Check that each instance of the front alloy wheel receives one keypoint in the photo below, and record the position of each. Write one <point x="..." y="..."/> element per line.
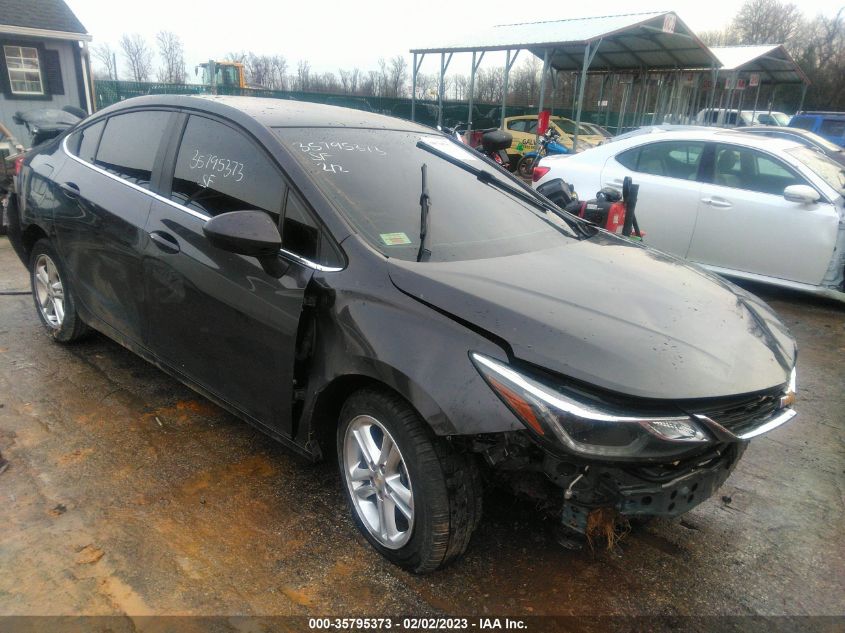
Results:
<point x="414" y="496"/>
<point x="378" y="482"/>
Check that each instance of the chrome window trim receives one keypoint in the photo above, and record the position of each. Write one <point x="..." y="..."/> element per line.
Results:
<point x="293" y="256"/>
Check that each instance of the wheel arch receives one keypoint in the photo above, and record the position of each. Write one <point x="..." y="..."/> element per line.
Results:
<point x="29" y="237"/>
<point x="323" y="414"/>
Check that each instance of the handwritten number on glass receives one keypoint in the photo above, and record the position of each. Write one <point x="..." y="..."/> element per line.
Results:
<point x="212" y="163"/>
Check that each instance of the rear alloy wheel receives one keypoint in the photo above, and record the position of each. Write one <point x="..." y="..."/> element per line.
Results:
<point x="52" y="295"/>
<point x="413" y="496"/>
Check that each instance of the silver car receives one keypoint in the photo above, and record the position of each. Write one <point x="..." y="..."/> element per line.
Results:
<point x="762" y="209"/>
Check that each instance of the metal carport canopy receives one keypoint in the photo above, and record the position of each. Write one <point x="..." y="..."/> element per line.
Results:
<point x="654" y="41"/>
<point x="636" y="41"/>
<point x="773" y="63"/>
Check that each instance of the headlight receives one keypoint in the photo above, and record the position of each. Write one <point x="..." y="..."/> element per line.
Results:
<point x="588" y="428"/>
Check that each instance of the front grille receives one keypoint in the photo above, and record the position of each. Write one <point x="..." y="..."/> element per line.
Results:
<point x="742" y="416"/>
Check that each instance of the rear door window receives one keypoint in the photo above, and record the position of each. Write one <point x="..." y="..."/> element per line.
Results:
<point x="675" y="159"/>
<point x="219" y="169"/>
<point x="130" y="144"/>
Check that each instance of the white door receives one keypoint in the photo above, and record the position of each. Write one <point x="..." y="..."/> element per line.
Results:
<point x="667" y="203"/>
<point x="745" y="223"/>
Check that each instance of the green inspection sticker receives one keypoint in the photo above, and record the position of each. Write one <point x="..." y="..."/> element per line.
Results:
<point x="394" y="239"/>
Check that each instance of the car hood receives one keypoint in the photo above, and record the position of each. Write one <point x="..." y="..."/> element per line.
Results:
<point x="615" y="315"/>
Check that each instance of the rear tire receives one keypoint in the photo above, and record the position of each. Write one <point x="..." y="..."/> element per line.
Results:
<point x="419" y="504"/>
<point x="525" y="167"/>
<point x="53" y="295"/>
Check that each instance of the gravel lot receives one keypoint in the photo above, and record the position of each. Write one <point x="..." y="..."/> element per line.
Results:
<point x="129" y="494"/>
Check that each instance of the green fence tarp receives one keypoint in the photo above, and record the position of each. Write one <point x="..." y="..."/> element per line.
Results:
<point x="485" y="115"/>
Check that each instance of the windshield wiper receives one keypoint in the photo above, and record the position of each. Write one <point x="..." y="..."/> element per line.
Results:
<point x="490" y="179"/>
<point x="425" y="205"/>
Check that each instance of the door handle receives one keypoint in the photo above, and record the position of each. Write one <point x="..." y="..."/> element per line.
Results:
<point x="717" y="202"/>
<point x="70" y="189"/>
<point x="165" y="242"/>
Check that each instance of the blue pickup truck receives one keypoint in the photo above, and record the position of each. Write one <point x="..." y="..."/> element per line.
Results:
<point x="830" y="125"/>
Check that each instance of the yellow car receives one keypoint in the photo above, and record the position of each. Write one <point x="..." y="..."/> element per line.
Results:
<point x="524" y="131"/>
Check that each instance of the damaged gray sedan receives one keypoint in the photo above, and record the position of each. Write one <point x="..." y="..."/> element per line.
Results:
<point x="365" y="289"/>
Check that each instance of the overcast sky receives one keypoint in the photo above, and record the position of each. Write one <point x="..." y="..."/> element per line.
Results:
<point x="334" y="34"/>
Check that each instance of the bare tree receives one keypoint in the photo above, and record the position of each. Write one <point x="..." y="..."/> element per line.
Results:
<point x="427" y="86"/>
<point x="767" y="22"/>
<point x="525" y="80"/>
<point x="303" y="75"/>
<point x="278" y="72"/>
<point x="240" y="57"/>
<point x="720" y="37"/>
<point x="397" y="77"/>
<point x="172" y="54"/>
<point x="138" y="56"/>
<point x="349" y="80"/>
<point x="490" y="82"/>
<point x="104" y="54"/>
<point x="258" y="69"/>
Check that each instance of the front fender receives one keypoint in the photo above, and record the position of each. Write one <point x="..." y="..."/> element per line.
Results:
<point x="386" y="336"/>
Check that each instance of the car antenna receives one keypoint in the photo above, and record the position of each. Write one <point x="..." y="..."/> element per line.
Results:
<point x="425" y="204"/>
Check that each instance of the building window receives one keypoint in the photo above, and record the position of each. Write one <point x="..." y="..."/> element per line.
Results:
<point x="24" y="70"/>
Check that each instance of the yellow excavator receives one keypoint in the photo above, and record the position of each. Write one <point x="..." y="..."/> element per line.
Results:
<point x="224" y="73"/>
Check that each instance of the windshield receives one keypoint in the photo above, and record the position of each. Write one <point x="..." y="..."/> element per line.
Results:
<point x="827" y="169"/>
<point x="568" y="126"/>
<point x="374" y="178"/>
<point x="781" y="118"/>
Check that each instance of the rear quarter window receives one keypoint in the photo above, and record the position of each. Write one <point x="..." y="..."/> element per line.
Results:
<point x="84" y="142"/>
<point x="130" y="144"/>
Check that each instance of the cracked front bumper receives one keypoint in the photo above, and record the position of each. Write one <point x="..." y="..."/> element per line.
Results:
<point x="657" y="490"/>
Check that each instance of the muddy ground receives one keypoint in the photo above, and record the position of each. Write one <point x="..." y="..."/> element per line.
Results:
<point x="129" y="494"/>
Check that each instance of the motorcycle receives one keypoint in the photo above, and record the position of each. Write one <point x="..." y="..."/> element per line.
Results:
<point x="547" y="145"/>
<point x="492" y="143"/>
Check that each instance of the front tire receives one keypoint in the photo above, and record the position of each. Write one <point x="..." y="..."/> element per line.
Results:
<point x="54" y="297"/>
<point x="413" y="496"/>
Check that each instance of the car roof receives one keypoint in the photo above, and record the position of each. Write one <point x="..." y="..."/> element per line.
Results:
<point x="774" y="128"/>
<point x="709" y="134"/>
<point x="275" y="112"/>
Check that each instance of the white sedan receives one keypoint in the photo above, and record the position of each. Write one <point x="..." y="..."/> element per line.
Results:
<point x="763" y="209"/>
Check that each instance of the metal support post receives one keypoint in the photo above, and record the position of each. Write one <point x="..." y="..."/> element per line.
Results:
<point x="542" y="92"/>
<point x="508" y="65"/>
<point x="444" y="65"/>
<point x="414" y="72"/>
<point x="473" y="71"/>
<point x="589" y="54"/>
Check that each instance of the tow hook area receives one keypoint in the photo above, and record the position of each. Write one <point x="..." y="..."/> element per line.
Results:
<point x="626" y="491"/>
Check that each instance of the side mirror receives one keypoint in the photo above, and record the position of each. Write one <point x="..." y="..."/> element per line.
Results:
<point x="250" y="233"/>
<point x="803" y="194"/>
